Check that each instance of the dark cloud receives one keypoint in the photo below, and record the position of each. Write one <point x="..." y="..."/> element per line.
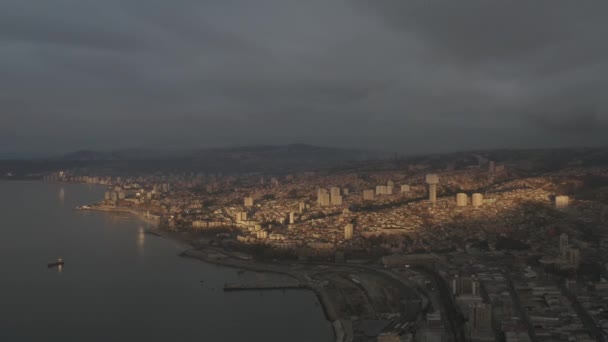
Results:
<point x="579" y="121"/>
<point x="400" y="75"/>
<point x="479" y="31"/>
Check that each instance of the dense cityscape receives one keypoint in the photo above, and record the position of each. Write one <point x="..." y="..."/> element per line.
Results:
<point x="458" y="247"/>
<point x="304" y="171"/>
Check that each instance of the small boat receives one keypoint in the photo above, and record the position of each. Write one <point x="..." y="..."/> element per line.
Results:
<point x="59" y="262"/>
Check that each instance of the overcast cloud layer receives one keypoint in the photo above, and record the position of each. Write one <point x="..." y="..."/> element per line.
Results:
<point x="413" y="76"/>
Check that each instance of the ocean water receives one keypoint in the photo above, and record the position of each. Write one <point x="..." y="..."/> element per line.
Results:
<point x="119" y="284"/>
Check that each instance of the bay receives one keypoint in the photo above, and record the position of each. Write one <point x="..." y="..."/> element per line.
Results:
<point x="120" y="284"/>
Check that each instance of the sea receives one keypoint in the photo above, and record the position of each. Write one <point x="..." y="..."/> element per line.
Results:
<point x="120" y="284"/>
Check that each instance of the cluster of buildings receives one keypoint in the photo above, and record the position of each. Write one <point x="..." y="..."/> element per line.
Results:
<point x="500" y="241"/>
<point x="550" y="313"/>
<point x="593" y="300"/>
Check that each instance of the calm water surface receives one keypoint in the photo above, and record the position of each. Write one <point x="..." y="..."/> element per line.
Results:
<point x="119" y="284"/>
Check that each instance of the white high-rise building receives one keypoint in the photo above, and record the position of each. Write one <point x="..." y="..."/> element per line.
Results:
<point x="334" y="191"/>
<point x="323" y="198"/>
<point x="368" y="195"/>
<point x="561" y="202"/>
<point x="477" y="199"/>
<point x="336" y="199"/>
<point x="432" y="180"/>
<point x="248" y="201"/>
<point x="462" y="199"/>
<point x="348" y="231"/>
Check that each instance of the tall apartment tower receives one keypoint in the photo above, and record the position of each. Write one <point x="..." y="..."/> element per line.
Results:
<point x="320" y="193"/>
<point x="432" y="180"/>
<point x="336" y="199"/>
<point x="477" y="199"/>
<point x="324" y="200"/>
<point x="368" y="195"/>
<point x="561" y="202"/>
<point x="323" y="197"/>
<point x="248" y="201"/>
<point x="334" y="191"/>
<point x="462" y="199"/>
<point x="390" y="185"/>
<point x="348" y="231"/>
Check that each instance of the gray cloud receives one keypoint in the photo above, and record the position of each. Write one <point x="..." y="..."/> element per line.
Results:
<point x="576" y="121"/>
<point x="400" y="75"/>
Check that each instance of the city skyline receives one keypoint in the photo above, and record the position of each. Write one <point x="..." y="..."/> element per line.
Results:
<point x="304" y="170"/>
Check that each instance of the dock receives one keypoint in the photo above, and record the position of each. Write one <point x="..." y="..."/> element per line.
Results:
<point x="253" y="287"/>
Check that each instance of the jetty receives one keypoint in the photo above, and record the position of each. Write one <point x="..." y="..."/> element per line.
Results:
<point x="259" y="286"/>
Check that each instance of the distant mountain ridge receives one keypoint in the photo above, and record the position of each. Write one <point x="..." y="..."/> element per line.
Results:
<point x="290" y="151"/>
<point x="283" y="159"/>
<point x="21" y="156"/>
<point x="258" y="158"/>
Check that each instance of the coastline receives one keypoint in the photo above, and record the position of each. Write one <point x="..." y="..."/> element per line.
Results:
<point x="141" y="216"/>
<point x="331" y="316"/>
<point x="328" y="308"/>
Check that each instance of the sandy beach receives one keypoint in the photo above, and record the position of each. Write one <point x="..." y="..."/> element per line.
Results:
<point x="138" y="214"/>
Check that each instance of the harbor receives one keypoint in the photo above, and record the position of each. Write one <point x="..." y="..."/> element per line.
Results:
<point x="116" y="273"/>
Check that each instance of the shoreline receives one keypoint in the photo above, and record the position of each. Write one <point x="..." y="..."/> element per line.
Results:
<point x="322" y="297"/>
<point x="139" y="215"/>
<point x="231" y="262"/>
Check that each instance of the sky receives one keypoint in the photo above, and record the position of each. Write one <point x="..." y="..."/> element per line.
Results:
<point x="409" y="76"/>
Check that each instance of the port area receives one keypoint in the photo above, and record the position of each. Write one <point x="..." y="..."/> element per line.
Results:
<point x="359" y="300"/>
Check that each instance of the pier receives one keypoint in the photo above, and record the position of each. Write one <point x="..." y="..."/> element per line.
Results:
<point x="258" y="286"/>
